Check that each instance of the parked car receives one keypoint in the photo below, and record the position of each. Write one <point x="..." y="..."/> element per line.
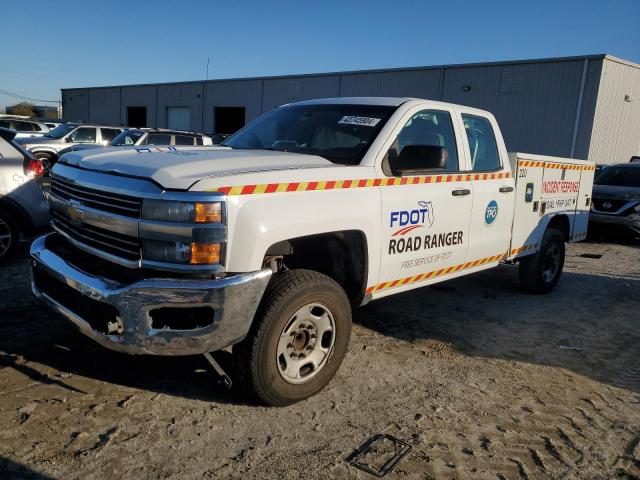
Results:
<point x="599" y="169"/>
<point x="53" y="125"/>
<point x="49" y="145"/>
<point x="616" y="198"/>
<point x="265" y="243"/>
<point x="635" y="159"/>
<point x="134" y="137"/>
<point x="24" y="128"/>
<point x="23" y="208"/>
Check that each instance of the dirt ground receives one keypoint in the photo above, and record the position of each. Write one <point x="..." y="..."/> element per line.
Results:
<point x="483" y="380"/>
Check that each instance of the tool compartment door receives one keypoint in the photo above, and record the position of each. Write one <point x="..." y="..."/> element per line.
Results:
<point x="527" y="230"/>
<point x="560" y="188"/>
<point x="581" y="218"/>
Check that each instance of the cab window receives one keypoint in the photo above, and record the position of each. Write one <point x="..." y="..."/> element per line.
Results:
<point x="482" y="144"/>
<point x="109" y="134"/>
<point x="428" y="133"/>
<point x="84" y="135"/>
<point x="184" y="140"/>
<point x="158" y="139"/>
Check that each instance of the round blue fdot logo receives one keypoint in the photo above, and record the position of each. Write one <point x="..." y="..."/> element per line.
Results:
<point x="491" y="212"/>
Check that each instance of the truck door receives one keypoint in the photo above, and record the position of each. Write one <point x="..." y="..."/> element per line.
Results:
<point x="493" y="189"/>
<point x="425" y="214"/>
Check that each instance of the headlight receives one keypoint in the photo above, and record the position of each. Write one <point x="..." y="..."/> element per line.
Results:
<point x="183" y="253"/>
<point x="182" y="212"/>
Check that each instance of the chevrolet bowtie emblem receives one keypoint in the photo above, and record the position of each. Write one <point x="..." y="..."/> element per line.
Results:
<point x="75" y="213"/>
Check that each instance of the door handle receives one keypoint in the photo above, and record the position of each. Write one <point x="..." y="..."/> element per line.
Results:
<point x="505" y="189"/>
<point x="460" y="192"/>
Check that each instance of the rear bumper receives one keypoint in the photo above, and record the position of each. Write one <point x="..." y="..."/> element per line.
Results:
<point x="631" y="221"/>
<point x="91" y="302"/>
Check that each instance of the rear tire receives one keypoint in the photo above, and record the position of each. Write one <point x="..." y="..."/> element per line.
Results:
<point x="8" y="236"/>
<point x="540" y="273"/>
<point x="298" y="338"/>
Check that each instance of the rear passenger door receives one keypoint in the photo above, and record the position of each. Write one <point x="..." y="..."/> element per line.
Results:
<point x="425" y="212"/>
<point x="493" y="189"/>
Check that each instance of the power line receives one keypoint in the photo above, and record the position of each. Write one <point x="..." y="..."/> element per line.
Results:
<point x="22" y="97"/>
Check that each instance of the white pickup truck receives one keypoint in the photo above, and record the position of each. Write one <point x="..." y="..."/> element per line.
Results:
<point x="266" y="243"/>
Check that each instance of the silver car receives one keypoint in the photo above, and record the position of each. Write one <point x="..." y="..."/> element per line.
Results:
<point x="134" y="137"/>
<point x="66" y="135"/>
<point x="23" y="208"/>
<point x="24" y="127"/>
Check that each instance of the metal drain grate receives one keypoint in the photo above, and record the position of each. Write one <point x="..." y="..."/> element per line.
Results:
<point x="379" y="455"/>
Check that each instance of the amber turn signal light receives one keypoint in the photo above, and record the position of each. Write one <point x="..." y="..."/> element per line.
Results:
<point x="205" y="253"/>
<point x="208" y="212"/>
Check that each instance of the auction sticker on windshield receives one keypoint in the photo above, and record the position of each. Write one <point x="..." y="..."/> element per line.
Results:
<point x="363" y="121"/>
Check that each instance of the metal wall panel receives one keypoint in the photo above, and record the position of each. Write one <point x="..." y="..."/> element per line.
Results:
<point x="233" y="93"/>
<point x="409" y="83"/>
<point x="534" y="103"/>
<point x="186" y="95"/>
<point x="75" y="104"/>
<point x="278" y="91"/>
<point x="616" y="127"/>
<point x="139" y="96"/>
<point x="104" y="106"/>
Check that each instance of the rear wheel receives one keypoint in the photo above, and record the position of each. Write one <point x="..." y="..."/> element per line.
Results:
<point x="540" y="273"/>
<point x="298" y="339"/>
<point x="8" y="236"/>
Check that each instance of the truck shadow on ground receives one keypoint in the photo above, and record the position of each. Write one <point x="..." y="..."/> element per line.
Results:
<point x="11" y="470"/>
<point x="588" y="324"/>
<point x="581" y="326"/>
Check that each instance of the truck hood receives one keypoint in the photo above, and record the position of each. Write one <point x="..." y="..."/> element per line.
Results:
<point x="179" y="168"/>
<point x="611" y="192"/>
<point x="41" y="140"/>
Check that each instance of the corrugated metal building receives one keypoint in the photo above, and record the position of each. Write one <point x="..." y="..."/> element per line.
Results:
<point x="585" y="107"/>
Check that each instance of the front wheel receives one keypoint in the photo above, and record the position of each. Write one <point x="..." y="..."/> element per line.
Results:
<point x="8" y="236"/>
<point x="540" y="273"/>
<point x="298" y="339"/>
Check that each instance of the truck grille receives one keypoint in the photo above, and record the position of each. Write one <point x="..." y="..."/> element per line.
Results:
<point x="106" y="201"/>
<point x="122" y="246"/>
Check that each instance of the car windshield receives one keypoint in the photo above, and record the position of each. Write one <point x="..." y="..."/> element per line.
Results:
<point x="340" y="133"/>
<point x="60" y="131"/>
<point x="619" y="177"/>
<point x="128" y="137"/>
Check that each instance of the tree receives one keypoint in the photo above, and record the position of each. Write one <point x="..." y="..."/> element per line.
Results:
<point x="22" y="108"/>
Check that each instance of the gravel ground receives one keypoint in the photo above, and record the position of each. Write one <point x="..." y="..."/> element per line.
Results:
<point x="483" y="380"/>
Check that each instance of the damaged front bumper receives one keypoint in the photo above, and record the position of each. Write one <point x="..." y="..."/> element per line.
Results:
<point x="144" y="317"/>
<point x="631" y="221"/>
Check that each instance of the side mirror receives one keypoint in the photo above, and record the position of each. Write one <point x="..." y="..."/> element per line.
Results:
<point x="68" y="139"/>
<point x="415" y="159"/>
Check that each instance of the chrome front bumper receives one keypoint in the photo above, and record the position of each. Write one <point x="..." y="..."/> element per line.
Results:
<point x="233" y="300"/>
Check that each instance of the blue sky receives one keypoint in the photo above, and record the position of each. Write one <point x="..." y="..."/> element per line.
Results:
<point x="48" y="45"/>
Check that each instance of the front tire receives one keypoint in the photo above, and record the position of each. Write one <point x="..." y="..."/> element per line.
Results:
<point x="8" y="236"/>
<point x="540" y="273"/>
<point x="298" y="338"/>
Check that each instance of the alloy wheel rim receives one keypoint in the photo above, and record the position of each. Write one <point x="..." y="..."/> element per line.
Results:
<point x="306" y="343"/>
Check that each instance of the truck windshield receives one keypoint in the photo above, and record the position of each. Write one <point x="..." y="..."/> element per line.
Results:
<point x="340" y="133"/>
<point x="620" y="177"/>
<point x="128" y="137"/>
<point x="61" y="130"/>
